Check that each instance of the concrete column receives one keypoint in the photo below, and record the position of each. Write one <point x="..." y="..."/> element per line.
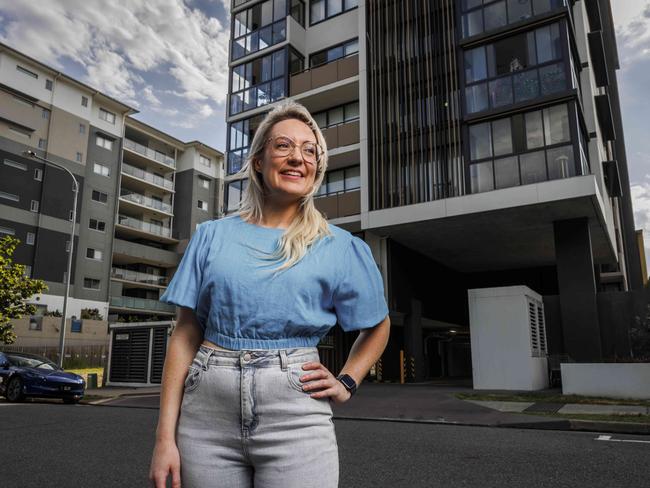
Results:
<point x="577" y="287"/>
<point x="413" y="347"/>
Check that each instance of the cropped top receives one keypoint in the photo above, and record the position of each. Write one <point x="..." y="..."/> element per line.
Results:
<point x="241" y="304"/>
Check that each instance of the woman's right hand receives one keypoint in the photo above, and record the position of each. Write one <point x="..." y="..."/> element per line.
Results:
<point x="165" y="459"/>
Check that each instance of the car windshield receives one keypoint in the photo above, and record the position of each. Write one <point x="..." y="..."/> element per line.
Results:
<point x="28" y="362"/>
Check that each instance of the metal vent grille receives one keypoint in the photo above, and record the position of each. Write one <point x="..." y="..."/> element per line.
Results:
<point x="129" y="356"/>
<point x="537" y="327"/>
<point x="158" y="351"/>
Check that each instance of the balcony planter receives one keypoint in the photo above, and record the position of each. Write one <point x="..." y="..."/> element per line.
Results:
<point x="617" y="380"/>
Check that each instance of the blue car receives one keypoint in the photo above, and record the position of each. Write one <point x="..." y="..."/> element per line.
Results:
<point x="28" y="375"/>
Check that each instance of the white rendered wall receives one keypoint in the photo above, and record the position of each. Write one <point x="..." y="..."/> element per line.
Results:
<point x="55" y="302"/>
<point x="502" y="356"/>
<point x="616" y="380"/>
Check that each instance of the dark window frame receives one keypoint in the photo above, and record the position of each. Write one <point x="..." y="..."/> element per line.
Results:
<point x="328" y="17"/>
<point x="332" y="47"/>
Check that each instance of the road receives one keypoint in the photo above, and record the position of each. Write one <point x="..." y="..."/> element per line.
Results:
<point x="51" y="444"/>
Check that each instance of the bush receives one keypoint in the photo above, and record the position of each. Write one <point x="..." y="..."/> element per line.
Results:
<point x="91" y="314"/>
<point x="639" y="334"/>
<point x="53" y="313"/>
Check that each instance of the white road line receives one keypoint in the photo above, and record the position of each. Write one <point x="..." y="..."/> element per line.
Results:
<point x="608" y="438"/>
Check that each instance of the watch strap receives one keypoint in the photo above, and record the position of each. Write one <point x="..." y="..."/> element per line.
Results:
<point x="348" y="382"/>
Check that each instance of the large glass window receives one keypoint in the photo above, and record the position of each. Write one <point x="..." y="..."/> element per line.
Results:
<point x="333" y="53"/>
<point x="234" y="193"/>
<point x="258" y="83"/>
<point x="516" y="69"/>
<point x="241" y="136"/>
<point x="485" y="15"/>
<point x="340" y="181"/>
<point x="337" y="115"/>
<point x="321" y="10"/>
<point x="259" y="27"/>
<point x="523" y="149"/>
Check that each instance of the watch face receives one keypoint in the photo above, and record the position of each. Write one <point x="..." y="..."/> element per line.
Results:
<point x="348" y="382"/>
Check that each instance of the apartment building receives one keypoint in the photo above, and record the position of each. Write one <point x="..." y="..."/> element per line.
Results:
<point x="473" y="144"/>
<point x="142" y="193"/>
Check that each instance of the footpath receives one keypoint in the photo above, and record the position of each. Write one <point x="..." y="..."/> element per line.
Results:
<point x="437" y="403"/>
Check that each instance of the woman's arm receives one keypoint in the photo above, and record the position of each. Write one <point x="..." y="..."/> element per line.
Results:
<point x="183" y="344"/>
<point x="365" y="352"/>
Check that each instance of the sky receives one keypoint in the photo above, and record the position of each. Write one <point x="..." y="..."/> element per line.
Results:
<point x="169" y="60"/>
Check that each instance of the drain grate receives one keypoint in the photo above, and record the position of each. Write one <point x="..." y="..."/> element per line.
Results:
<point x="543" y="407"/>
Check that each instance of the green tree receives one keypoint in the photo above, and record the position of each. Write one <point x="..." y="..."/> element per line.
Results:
<point x="15" y="288"/>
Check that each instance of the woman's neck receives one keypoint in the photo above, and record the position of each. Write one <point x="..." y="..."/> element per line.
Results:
<point x="279" y="216"/>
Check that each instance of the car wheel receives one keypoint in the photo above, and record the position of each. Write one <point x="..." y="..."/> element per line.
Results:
<point x="71" y="401"/>
<point x="14" y="392"/>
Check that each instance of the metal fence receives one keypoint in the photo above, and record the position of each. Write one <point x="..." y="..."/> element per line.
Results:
<point x="74" y="356"/>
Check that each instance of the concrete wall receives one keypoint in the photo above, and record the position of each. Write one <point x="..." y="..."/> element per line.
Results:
<point x="616" y="380"/>
<point x="93" y="333"/>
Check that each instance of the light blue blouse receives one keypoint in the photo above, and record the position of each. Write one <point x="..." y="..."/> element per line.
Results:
<point x="241" y="305"/>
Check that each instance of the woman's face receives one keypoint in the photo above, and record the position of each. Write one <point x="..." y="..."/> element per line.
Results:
<point x="287" y="177"/>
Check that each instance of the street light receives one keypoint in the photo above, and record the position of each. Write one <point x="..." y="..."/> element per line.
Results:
<point x="75" y="188"/>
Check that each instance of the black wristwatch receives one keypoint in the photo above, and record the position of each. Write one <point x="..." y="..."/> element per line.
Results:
<point x="348" y="382"/>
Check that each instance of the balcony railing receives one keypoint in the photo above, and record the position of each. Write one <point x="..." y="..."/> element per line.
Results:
<point x="146" y="201"/>
<point x="324" y="74"/>
<point x="138" y="277"/>
<point x="149" y="153"/>
<point x="144" y="226"/>
<point x="144" y="304"/>
<point x="147" y="176"/>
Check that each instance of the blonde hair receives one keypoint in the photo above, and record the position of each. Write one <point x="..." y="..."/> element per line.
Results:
<point x="309" y="226"/>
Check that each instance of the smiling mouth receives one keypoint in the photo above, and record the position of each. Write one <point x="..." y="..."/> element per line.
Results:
<point x="291" y="174"/>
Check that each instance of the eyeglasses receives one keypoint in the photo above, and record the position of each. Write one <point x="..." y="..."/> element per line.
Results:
<point x="283" y="146"/>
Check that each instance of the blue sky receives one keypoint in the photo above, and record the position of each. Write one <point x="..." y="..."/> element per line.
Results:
<point x="169" y="59"/>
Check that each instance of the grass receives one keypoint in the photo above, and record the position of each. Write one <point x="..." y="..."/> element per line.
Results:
<point x="550" y="398"/>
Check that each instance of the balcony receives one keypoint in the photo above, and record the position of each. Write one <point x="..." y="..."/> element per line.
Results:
<point x="144" y="201"/>
<point x="133" y="227"/>
<point x="341" y="204"/>
<point x="325" y="74"/>
<point x="126" y="252"/>
<point x="147" y="177"/>
<point x="141" y="304"/>
<point x="149" y="154"/>
<point x="342" y="135"/>
<point x="139" y="277"/>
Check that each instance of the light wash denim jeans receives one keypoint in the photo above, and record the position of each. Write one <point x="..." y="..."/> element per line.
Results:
<point x="245" y="422"/>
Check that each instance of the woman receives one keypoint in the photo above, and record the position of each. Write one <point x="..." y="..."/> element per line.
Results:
<point x="254" y="408"/>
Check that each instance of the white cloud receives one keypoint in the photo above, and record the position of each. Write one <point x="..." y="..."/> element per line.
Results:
<point x="206" y="111"/>
<point x="120" y="41"/>
<point x="632" y="21"/>
<point x="641" y="204"/>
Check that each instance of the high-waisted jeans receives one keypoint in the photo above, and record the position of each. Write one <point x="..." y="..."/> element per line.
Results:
<point x="246" y="422"/>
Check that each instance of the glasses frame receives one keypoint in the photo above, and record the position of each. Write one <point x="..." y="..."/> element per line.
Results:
<point x="319" y="149"/>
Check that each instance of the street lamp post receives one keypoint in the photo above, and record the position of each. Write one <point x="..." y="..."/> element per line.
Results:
<point x="33" y="155"/>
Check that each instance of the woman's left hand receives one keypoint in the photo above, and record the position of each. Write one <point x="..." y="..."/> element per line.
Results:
<point x="320" y="378"/>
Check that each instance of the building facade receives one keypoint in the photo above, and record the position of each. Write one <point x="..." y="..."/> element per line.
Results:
<point x="473" y="144"/>
<point x="142" y="193"/>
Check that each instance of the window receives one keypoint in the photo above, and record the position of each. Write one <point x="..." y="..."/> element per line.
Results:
<point x="28" y="273"/>
<point x="48" y="85"/>
<point x="70" y="215"/>
<point x="76" y="325"/>
<point x="205" y="161"/>
<point x="321" y="10"/>
<point x="79" y="157"/>
<point x="515" y="69"/>
<point x="337" y="115"/>
<point x="333" y="53"/>
<point x="45" y="113"/>
<point x="84" y="101"/>
<point x="7" y="231"/>
<point x="241" y="135"/>
<point x="34" y="206"/>
<point x="104" y="142"/>
<point x="99" y="196"/>
<point x="94" y="254"/>
<point x="340" y="181"/>
<point x="494" y="14"/>
<point x="42" y="143"/>
<point x="15" y="164"/>
<point x="234" y="192"/>
<point x="31" y="238"/>
<point x="27" y="72"/>
<point x="258" y="82"/>
<point x="38" y="174"/>
<point x="9" y="196"/>
<point x="82" y="128"/>
<point x="204" y="182"/>
<point x="91" y="283"/>
<point x="522" y="149"/>
<point x="107" y="116"/>
<point x="67" y="246"/>
<point x="259" y="27"/>
<point x="97" y="225"/>
<point x="100" y="169"/>
<point x="202" y="205"/>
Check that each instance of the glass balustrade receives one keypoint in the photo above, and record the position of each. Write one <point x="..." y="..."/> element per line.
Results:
<point x="144" y="226"/>
<point x="147" y="176"/>
<point x="138" y="276"/>
<point x="146" y="201"/>
<point x="149" y="153"/>
<point x="142" y="304"/>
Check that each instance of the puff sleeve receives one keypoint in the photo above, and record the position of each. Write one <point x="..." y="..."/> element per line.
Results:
<point x="359" y="297"/>
<point x="185" y="286"/>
